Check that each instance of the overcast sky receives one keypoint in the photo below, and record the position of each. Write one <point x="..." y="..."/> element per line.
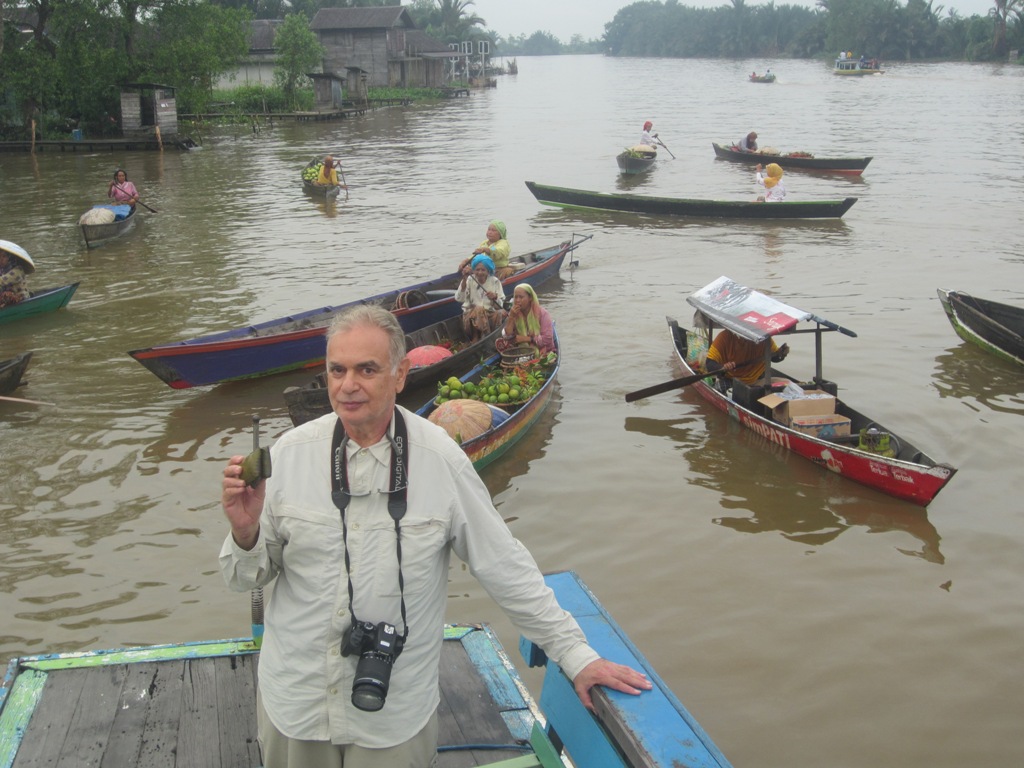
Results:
<point x="565" y="18"/>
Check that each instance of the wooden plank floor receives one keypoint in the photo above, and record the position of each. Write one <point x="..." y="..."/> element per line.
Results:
<point x="200" y="712"/>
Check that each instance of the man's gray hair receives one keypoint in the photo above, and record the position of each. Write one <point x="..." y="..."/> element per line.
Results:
<point x="374" y="316"/>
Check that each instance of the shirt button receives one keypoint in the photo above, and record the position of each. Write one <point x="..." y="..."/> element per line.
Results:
<point x="342" y="612"/>
<point x="334" y="651"/>
<point x="355" y="526"/>
<point x="334" y="691"/>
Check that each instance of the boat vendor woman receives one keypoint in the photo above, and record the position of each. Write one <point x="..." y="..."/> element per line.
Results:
<point x="733" y="354"/>
<point x="748" y="143"/>
<point x="15" y="264"/>
<point x="528" y="323"/>
<point x="774" y="189"/>
<point x="481" y="295"/>
<point x="121" y="190"/>
<point x="328" y="176"/>
<point x="647" y="138"/>
<point x="497" y="247"/>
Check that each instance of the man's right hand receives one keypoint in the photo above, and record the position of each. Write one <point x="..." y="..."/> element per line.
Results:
<point x="242" y="504"/>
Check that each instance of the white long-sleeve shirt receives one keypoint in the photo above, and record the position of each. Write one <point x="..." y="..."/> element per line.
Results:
<point x="774" y="194"/>
<point x="305" y="683"/>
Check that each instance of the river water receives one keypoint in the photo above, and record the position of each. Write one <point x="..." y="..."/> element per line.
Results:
<point x="803" y="619"/>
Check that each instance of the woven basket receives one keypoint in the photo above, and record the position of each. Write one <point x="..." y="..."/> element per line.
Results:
<point x="516" y="356"/>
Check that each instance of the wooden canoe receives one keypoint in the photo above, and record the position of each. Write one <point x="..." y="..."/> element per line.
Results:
<point x="40" y="302"/>
<point x="564" y="197"/>
<point x="297" y="341"/>
<point x="325" y="191"/>
<point x="11" y="372"/>
<point x="97" y="234"/>
<point x="502" y="435"/>
<point x="996" y="328"/>
<point x="636" y="160"/>
<point x="910" y="474"/>
<point x="311" y="401"/>
<point x="761" y="78"/>
<point x="194" y="704"/>
<point x="850" y="166"/>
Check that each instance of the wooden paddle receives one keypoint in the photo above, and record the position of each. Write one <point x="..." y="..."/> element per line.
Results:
<point x="685" y="381"/>
<point x="343" y="182"/>
<point x="23" y="400"/>
<point x="666" y="148"/>
<point x="154" y="210"/>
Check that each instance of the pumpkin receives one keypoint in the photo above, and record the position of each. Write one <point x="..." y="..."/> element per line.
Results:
<point x="462" y="419"/>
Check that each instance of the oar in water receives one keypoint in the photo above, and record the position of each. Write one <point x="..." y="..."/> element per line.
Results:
<point x="344" y="183"/>
<point x="23" y="400"/>
<point x="154" y="210"/>
<point x="666" y="148"/>
<point x="685" y="381"/>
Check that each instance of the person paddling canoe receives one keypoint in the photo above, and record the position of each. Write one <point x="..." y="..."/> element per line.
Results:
<point x="122" y="191"/>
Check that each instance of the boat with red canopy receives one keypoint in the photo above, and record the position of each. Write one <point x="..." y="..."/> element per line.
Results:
<point x="805" y="417"/>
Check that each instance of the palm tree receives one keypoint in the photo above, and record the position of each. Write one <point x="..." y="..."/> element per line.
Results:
<point x="453" y="19"/>
<point x="1001" y="12"/>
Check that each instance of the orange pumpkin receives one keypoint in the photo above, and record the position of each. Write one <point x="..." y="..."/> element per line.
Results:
<point x="462" y="419"/>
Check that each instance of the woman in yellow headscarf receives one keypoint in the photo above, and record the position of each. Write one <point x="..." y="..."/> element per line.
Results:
<point x="528" y="323"/>
<point x="774" y="189"/>
<point x="496" y="246"/>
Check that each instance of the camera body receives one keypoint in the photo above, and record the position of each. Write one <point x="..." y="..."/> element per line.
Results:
<point x="378" y="645"/>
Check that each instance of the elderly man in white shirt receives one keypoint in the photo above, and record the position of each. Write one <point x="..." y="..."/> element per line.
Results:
<point x="324" y="530"/>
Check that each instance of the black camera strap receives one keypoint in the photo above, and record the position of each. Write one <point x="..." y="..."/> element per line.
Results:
<point x="397" y="503"/>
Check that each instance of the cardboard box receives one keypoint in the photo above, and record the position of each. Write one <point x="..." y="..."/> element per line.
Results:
<point x="784" y="411"/>
<point x="825" y="427"/>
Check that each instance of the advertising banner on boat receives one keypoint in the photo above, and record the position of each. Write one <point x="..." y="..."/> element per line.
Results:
<point x="744" y="311"/>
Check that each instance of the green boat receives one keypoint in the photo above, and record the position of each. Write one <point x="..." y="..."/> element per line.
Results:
<point x="40" y="302"/>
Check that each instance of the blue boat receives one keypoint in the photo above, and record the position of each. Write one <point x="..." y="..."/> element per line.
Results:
<point x="194" y="704"/>
<point x="297" y="341"/>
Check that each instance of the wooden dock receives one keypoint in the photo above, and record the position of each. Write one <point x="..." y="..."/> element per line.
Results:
<point x="193" y="705"/>
<point x="98" y="145"/>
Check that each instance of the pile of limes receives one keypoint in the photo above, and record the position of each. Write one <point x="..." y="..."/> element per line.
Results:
<point x="498" y="386"/>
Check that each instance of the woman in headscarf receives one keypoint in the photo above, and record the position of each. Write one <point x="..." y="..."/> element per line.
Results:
<point x="647" y="138"/>
<point x="497" y="247"/>
<point x="528" y="323"/>
<point x="774" y="189"/>
<point x="328" y="176"/>
<point x="15" y="264"/>
<point x="481" y="295"/>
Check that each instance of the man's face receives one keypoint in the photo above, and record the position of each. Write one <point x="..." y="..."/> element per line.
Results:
<point x="360" y="384"/>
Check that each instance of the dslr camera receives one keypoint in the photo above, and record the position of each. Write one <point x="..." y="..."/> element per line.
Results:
<point x="378" y="645"/>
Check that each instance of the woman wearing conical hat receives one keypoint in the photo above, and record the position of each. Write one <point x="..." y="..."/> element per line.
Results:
<point x="15" y="265"/>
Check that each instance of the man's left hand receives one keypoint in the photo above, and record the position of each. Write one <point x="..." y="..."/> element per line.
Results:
<point x="615" y="676"/>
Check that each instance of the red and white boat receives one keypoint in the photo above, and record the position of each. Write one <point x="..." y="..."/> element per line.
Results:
<point x="862" y="449"/>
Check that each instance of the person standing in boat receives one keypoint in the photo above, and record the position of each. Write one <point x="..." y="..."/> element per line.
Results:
<point x="122" y="191"/>
<point x="748" y="143"/>
<point x="354" y="529"/>
<point x="481" y="295"/>
<point x="15" y="266"/>
<point x="497" y="247"/>
<point x="527" y="323"/>
<point x="647" y="138"/>
<point x="732" y="354"/>
<point x="328" y="173"/>
<point x="771" y="180"/>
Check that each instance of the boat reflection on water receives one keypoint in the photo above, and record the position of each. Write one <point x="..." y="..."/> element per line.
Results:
<point x="979" y="380"/>
<point x="499" y="476"/>
<point x="778" y="492"/>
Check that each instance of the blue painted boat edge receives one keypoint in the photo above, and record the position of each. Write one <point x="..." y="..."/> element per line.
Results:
<point x="658" y="709"/>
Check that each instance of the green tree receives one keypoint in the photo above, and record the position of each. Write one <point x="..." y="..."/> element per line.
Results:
<point x="1001" y="13"/>
<point x="298" y="52"/>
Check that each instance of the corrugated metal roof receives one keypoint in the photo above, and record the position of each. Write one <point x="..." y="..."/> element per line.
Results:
<point x="362" y="18"/>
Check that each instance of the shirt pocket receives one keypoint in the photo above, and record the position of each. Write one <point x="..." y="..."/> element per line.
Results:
<point x="423" y="546"/>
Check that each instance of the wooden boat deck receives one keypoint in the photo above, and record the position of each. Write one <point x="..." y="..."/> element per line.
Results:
<point x="194" y="705"/>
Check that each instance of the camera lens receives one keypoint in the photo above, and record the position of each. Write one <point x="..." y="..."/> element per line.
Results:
<point x="373" y="674"/>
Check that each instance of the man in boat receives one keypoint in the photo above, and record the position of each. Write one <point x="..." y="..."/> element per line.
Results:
<point x="748" y="143"/>
<point x="355" y="530"/>
<point x="740" y="358"/>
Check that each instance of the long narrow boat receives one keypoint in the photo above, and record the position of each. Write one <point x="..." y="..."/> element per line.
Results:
<point x="11" y="372"/>
<point x="325" y="191"/>
<point x="311" y="401"/>
<point x="850" y="67"/>
<point x="297" y="341"/>
<point x="761" y="78"/>
<point x="996" y="328"/>
<point x="40" y="302"/>
<point x="503" y="432"/>
<point x="853" y="445"/>
<point x="97" y="234"/>
<point x="194" y="704"/>
<point x="564" y="197"/>
<point x="636" y="159"/>
<point x="800" y="161"/>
